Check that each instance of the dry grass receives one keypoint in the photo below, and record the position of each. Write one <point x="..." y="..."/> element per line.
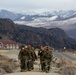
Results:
<point x="68" y="70"/>
<point x="7" y="65"/>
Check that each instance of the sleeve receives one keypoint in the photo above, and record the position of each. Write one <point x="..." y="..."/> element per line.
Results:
<point x="44" y="56"/>
<point x="51" y="57"/>
<point x="39" y="53"/>
<point x="35" y="55"/>
<point x="19" y="55"/>
<point x="29" y="55"/>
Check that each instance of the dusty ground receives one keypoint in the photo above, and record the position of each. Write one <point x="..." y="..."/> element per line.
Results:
<point x="10" y="53"/>
<point x="14" y="54"/>
<point x="66" y="69"/>
<point x="36" y="71"/>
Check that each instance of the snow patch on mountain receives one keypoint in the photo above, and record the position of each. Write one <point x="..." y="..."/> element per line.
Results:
<point x="23" y="17"/>
<point x="45" y="19"/>
<point x="53" y="18"/>
<point x="48" y="24"/>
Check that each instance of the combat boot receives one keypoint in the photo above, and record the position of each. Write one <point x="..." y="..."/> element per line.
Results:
<point x="22" y="70"/>
<point x="47" y="71"/>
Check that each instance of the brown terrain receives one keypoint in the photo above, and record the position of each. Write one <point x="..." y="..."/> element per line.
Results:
<point x="9" y="65"/>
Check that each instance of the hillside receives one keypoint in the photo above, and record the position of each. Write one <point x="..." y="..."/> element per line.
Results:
<point x="65" y="20"/>
<point x="72" y="33"/>
<point x="54" y="37"/>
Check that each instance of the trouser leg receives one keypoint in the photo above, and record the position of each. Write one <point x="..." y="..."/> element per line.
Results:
<point x="22" y="66"/>
<point x="42" y="65"/>
<point x="47" y="66"/>
<point x="26" y="64"/>
<point x="29" y="65"/>
<point x="32" y="64"/>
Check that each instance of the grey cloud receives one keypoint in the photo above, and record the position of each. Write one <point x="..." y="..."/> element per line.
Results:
<point x="38" y="4"/>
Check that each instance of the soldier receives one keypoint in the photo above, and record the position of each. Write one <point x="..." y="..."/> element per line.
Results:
<point x="28" y="58"/>
<point x="33" y="57"/>
<point x="47" y="58"/>
<point x="41" y="53"/>
<point x="20" y="58"/>
<point x="24" y="56"/>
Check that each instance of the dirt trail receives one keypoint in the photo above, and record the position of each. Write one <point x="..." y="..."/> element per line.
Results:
<point x="36" y="71"/>
<point x="33" y="73"/>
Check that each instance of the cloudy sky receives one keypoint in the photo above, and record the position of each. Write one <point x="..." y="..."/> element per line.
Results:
<point x="37" y="5"/>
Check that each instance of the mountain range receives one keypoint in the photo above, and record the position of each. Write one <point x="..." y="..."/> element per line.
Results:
<point x="55" y="37"/>
<point x="30" y="16"/>
<point x="65" y="20"/>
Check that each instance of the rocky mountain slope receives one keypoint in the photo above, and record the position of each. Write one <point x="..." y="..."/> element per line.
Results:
<point x="65" y="20"/>
<point x="54" y="37"/>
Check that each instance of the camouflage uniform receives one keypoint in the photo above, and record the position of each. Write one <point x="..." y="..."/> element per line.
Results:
<point x="41" y="53"/>
<point x="33" y="57"/>
<point x="47" y="58"/>
<point x="24" y="56"/>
